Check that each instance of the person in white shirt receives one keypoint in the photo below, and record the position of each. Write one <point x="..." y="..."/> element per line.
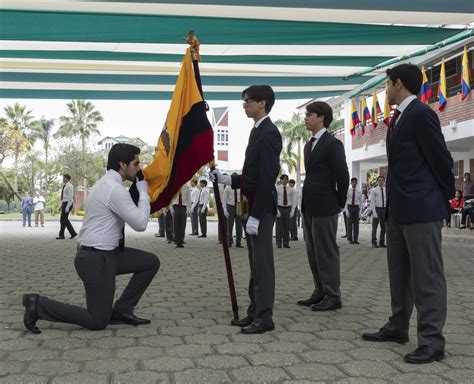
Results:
<point x="67" y="199"/>
<point x="230" y="201"/>
<point x="221" y="188"/>
<point x="39" y="201"/>
<point x="180" y="208"/>
<point x="286" y="210"/>
<point x="203" y="205"/>
<point x="194" y="208"/>
<point x="353" y="204"/>
<point x="378" y="203"/>
<point x="100" y="258"/>
<point x="296" y="216"/>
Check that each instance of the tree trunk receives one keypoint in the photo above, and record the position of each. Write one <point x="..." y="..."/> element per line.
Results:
<point x="298" y="166"/>
<point x="46" y="170"/>
<point x="84" y="167"/>
<point x="15" y="180"/>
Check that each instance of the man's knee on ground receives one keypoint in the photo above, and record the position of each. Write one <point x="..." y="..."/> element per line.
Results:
<point x="98" y="325"/>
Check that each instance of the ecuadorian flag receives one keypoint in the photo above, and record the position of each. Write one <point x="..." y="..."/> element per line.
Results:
<point x="354" y="119"/>
<point x="186" y="141"/>
<point x="365" y="115"/>
<point x="375" y="109"/>
<point x="465" y="76"/>
<point x="425" y="87"/>
<point x="442" y="88"/>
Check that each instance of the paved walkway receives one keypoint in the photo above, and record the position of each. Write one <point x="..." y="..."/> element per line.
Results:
<point x="190" y="339"/>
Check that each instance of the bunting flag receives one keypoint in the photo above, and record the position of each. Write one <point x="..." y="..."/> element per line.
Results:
<point x="376" y="111"/>
<point x="186" y="141"/>
<point x="354" y="119"/>
<point x="442" y="88"/>
<point x="426" y="91"/>
<point x="465" y="80"/>
<point x="386" y="110"/>
<point x="365" y="115"/>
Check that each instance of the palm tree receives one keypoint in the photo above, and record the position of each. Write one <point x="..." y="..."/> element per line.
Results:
<point x="289" y="159"/>
<point x="20" y="121"/>
<point x="81" y="122"/>
<point x="294" y="132"/>
<point x="42" y="130"/>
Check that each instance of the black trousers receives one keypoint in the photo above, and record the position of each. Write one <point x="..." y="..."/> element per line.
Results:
<point x="375" y="222"/>
<point x="64" y="221"/>
<point x="282" y="230"/>
<point x="294" y="224"/>
<point x="353" y="223"/>
<point x="203" y="219"/>
<point x="97" y="270"/>
<point x="179" y="223"/>
<point x="230" y="225"/>
<point x="195" y="220"/>
<point x="169" y="226"/>
<point x="161" y="225"/>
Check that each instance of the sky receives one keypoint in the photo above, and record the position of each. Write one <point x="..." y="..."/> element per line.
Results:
<point x="145" y="119"/>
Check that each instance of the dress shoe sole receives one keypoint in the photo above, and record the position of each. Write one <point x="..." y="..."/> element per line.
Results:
<point x="427" y="361"/>
<point x="135" y="324"/>
<point x="333" y="308"/>
<point x="235" y="323"/>
<point x="389" y="339"/>
<point x="257" y="332"/>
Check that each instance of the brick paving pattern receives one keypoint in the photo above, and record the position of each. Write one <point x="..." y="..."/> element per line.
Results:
<point x="190" y="339"/>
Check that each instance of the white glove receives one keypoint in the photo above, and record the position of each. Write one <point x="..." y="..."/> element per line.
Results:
<point x="215" y="175"/>
<point x="374" y="214"/>
<point x="66" y="209"/>
<point x="252" y="226"/>
<point x="278" y="213"/>
<point x="226" y="213"/>
<point x="142" y="187"/>
<point x="188" y="211"/>
<point x="172" y="210"/>
<point x="292" y="213"/>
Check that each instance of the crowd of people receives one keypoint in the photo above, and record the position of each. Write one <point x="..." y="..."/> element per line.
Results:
<point x="410" y="209"/>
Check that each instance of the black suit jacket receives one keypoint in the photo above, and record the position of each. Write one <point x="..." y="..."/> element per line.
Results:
<point x="260" y="170"/>
<point x="327" y="178"/>
<point x="420" y="181"/>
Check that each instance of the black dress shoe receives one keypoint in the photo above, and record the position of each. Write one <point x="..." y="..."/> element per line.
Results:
<point x="158" y="235"/>
<point x="351" y="242"/>
<point x="242" y="322"/>
<point x="127" y="318"/>
<point x="286" y="246"/>
<point x="326" y="305"/>
<point x="356" y="242"/>
<point x="314" y="299"/>
<point x="202" y="236"/>
<point x="60" y="238"/>
<point x="257" y="328"/>
<point x="179" y="246"/>
<point x="30" y="302"/>
<point x="424" y="355"/>
<point x="374" y="245"/>
<point x="344" y="237"/>
<point x="239" y="246"/>
<point x="278" y="246"/>
<point x="384" y="335"/>
<point x="382" y="246"/>
<point x="73" y="236"/>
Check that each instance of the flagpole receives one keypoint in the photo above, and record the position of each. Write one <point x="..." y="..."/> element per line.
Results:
<point x="220" y="211"/>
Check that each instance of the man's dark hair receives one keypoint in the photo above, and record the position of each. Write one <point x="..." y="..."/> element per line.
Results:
<point x="259" y="93"/>
<point x="380" y="177"/>
<point x="291" y="181"/>
<point x="353" y="179"/>
<point x="409" y="74"/>
<point x="67" y="176"/>
<point x="467" y="174"/>
<point x="121" y="153"/>
<point x="321" y="108"/>
<point x="203" y="181"/>
<point x="283" y="176"/>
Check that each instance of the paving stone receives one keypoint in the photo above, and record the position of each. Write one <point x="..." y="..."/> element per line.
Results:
<point x="87" y="354"/>
<point x="377" y="354"/>
<point x="64" y="344"/>
<point x="140" y="377"/>
<point x="189" y="350"/>
<point x="238" y="348"/>
<point x="360" y="380"/>
<point x="110" y="365"/>
<point x="206" y="339"/>
<point x="161" y="341"/>
<point x="8" y="334"/>
<point x="180" y="331"/>
<point x="168" y="364"/>
<point x="260" y="374"/>
<point x="198" y="376"/>
<point x="295" y="336"/>
<point x="140" y="352"/>
<point x="53" y="367"/>
<point x="32" y="355"/>
<point x="222" y="330"/>
<point x="221" y="362"/>
<point x="316" y="372"/>
<point x="10" y="367"/>
<point x="368" y="369"/>
<point x="286" y="346"/>
<point x="459" y="375"/>
<point x="81" y="378"/>
<point x="18" y="344"/>
<point x="140" y="331"/>
<point x="324" y="357"/>
<point x="113" y="342"/>
<point x="24" y="379"/>
<point x="274" y="359"/>
<point x="417" y="378"/>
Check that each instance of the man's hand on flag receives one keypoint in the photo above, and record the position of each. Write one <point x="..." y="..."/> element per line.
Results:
<point x="142" y="186"/>
<point x="252" y="226"/>
<point x="215" y="175"/>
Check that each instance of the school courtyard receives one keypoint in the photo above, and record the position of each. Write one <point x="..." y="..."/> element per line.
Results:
<point x="190" y="339"/>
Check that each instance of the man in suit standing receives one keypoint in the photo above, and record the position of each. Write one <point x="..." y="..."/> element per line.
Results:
<point x="99" y="258"/>
<point x="27" y="208"/>
<point x="67" y="199"/>
<point x="419" y="185"/>
<point x="324" y="195"/>
<point x="257" y="182"/>
<point x="203" y="204"/>
<point x="286" y="205"/>
<point x="294" y="220"/>
<point x="181" y="207"/>
<point x="378" y="202"/>
<point x="194" y="208"/>
<point x="353" y="205"/>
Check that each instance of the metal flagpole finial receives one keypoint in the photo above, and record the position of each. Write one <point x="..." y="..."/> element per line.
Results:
<point x="192" y="40"/>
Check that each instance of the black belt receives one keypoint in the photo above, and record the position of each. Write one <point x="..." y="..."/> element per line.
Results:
<point x="92" y="249"/>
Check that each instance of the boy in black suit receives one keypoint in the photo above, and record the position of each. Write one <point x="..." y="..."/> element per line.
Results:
<point x="419" y="185"/>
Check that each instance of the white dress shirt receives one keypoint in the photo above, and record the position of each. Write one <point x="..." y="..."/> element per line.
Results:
<point x="317" y="136"/>
<point x="107" y="207"/>
<point x="290" y="194"/>
<point x="376" y="197"/>
<point x="229" y="196"/>
<point x="204" y="197"/>
<point x="185" y="197"/>
<point x="403" y="105"/>
<point x="297" y="197"/>
<point x="38" y="201"/>
<point x="68" y="195"/>
<point x="194" y="197"/>
<point x="260" y="121"/>
<point x="357" y="196"/>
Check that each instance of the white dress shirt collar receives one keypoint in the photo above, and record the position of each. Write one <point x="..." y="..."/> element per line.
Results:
<point x="405" y="103"/>
<point x="318" y="134"/>
<point x="260" y="121"/>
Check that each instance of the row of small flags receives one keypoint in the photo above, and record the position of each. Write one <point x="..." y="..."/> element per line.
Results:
<point x="369" y="118"/>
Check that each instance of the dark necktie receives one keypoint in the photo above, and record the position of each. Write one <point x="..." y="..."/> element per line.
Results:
<point x="393" y="121"/>
<point x="383" y="200"/>
<point x="180" y="199"/>
<point x="353" y="196"/>
<point x="285" y="197"/>
<point x="252" y="133"/>
<point x="308" y="149"/>
<point x="235" y="197"/>
<point x="62" y="192"/>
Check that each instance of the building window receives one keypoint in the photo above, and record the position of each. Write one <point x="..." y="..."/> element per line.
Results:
<point x="456" y="169"/>
<point x="222" y="137"/>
